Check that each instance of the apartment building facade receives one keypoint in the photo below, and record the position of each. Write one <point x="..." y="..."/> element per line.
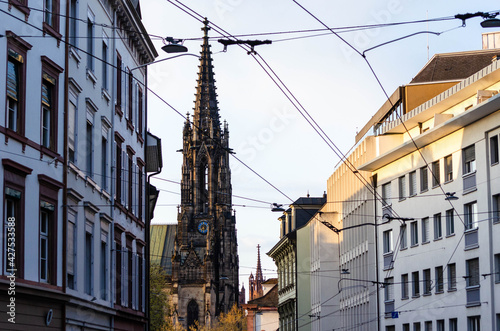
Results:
<point x="80" y="128"/>
<point x="436" y="168"/>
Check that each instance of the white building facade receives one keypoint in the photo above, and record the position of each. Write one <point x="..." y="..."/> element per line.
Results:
<point x="438" y="184"/>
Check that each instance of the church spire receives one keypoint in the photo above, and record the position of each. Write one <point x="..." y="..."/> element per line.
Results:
<point x="206" y="111"/>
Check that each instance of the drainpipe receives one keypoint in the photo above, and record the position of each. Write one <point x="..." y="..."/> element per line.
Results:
<point x="112" y="275"/>
<point x="374" y="187"/>
<point x="65" y="161"/>
<point x="490" y="233"/>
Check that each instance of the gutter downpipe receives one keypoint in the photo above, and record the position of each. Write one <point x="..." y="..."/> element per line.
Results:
<point x="374" y="185"/>
<point x="490" y="233"/>
<point x="65" y="160"/>
<point x="112" y="274"/>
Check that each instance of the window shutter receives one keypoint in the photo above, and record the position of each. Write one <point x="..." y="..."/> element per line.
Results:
<point x="469" y="154"/>
<point x="12" y="80"/>
<point x="124" y="190"/>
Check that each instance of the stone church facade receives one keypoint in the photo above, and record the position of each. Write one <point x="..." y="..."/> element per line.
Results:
<point x="205" y="257"/>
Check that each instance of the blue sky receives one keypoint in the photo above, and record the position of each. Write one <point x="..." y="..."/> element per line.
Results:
<point x="331" y="81"/>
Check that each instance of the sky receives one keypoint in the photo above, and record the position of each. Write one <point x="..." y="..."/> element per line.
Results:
<point x="329" y="79"/>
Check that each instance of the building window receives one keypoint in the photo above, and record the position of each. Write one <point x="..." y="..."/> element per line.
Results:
<point x="428" y="326"/>
<point x="439" y="280"/>
<point x="73" y="26"/>
<point x="427" y="281"/>
<point x="89" y="149"/>
<point x="104" y="162"/>
<point x="406" y="327"/>
<point x="453" y="324"/>
<point x="472" y="272"/>
<point x="438" y="230"/>
<point x="72" y="116"/>
<point x="403" y="237"/>
<point x="469" y="159"/>
<point x="13" y="227"/>
<point x="130" y="92"/>
<point x="118" y="266"/>
<point x="51" y="17"/>
<point x="387" y="241"/>
<point x="389" y="289"/>
<point x="402" y="187"/>
<point x="14" y="178"/>
<point x="104" y="262"/>
<point x="130" y="273"/>
<point x="46" y="221"/>
<point x="424" y="179"/>
<point x="414" y="233"/>
<point x="140" y="188"/>
<point x="90" y="41"/>
<point x="140" y="112"/>
<point x="473" y="323"/>
<point x="16" y="83"/>
<point x="452" y="277"/>
<point x="50" y="73"/>
<point x="494" y="150"/>
<point x="404" y="286"/>
<point x="386" y="194"/>
<point x="105" y="62"/>
<point x="71" y="251"/>
<point x="48" y="112"/>
<point x="471" y="217"/>
<point x="425" y="230"/>
<point x="118" y="167"/>
<point x="436" y="179"/>
<point x="448" y="168"/>
<point x="413" y="183"/>
<point x="416" y="326"/>
<point x="440" y="325"/>
<point x="119" y="83"/>
<point x="496" y="208"/>
<point x="450" y="222"/>
<point x="415" y="284"/>
<point x="89" y="257"/>
<point x="497" y="268"/>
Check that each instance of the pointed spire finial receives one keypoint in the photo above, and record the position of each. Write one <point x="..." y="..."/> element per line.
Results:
<point x="206" y="27"/>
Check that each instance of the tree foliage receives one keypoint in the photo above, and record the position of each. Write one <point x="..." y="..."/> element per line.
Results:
<point x="234" y="320"/>
<point x="160" y="308"/>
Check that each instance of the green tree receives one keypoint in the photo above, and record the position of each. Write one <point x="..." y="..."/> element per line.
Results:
<point x="159" y="305"/>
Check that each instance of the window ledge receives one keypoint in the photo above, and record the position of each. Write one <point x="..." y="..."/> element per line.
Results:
<point x="450" y="235"/>
<point x="403" y="248"/>
<point x="415" y="296"/>
<point x="402" y="199"/>
<point x="472" y="189"/>
<point x="52" y="31"/>
<point x="438" y="239"/>
<point x="91" y="76"/>
<point x="106" y="95"/>
<point x="413" y="195"/>
<point x="468" y="248"/>
<point x="448" y="181"/>
<point x="494" y="164"/>
<point x="426" y="294"/>
<point x="426" y="242"/>
<point x="21" y="7"/>
<point x="439" y="292"/>
<point x="423" y="191"/>
<point x="74" y="53"/>
<point x="414" y="245"/>
<point x="452" y="290"/>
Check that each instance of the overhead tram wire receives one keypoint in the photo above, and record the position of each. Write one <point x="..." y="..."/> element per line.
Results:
<point x="289" y="96"/>
<point x="152" y="92"/>
<point x="406" y="129"/>
<point x="395" y="254"/>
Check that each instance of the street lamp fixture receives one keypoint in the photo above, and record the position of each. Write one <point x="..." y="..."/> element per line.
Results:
<point x="174" y="46"/>
<point x="165" y="59"/>
<point x="276" y="207"/>
<point x="491" y="23"/>
<point x="451" y="195"/>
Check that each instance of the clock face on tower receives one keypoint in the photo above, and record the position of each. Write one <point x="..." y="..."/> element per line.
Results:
<point x="203" y="227"/>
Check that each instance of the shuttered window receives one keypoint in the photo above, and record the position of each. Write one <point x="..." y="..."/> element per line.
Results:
<point x="472" y="268"/>
<point x="469" y="159"/>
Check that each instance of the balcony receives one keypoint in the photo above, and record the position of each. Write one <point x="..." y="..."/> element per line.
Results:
<point x="471" y="239"/>
<point x="389" y="308"/>
<point x="388" y="262"/>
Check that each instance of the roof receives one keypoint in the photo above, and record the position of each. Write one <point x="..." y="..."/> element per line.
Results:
<point x="270" y="299"/>
<point x="271" y="281"/>
<point x="162" y="245"/>
<point x="310" y="201"/>
<point x="454" y="66"/>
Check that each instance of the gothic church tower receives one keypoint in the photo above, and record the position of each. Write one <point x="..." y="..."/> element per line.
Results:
<point x="205" y="257"/>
